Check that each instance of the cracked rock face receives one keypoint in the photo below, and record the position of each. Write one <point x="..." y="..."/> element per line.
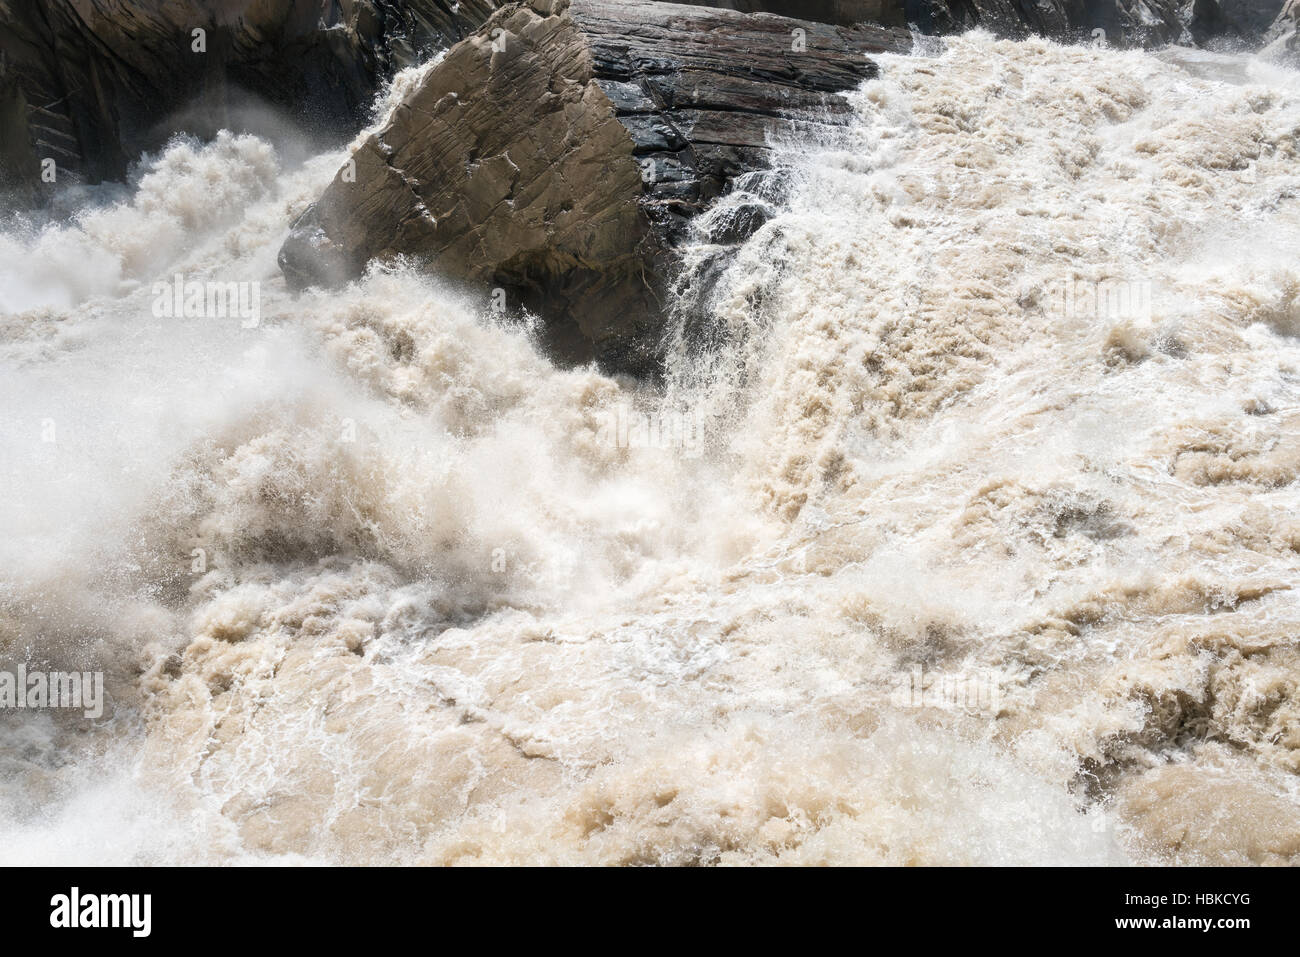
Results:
<point x="560" y="152"/>
<point x="93" y="83"/>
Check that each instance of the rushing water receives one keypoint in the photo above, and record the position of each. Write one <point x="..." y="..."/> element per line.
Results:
<point x="972" y="537"/>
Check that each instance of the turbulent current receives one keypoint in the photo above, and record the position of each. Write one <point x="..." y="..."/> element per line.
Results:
<point x="970" y="535"/>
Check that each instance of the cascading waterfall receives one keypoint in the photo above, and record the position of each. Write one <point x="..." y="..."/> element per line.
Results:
<point x="971" y="538"/>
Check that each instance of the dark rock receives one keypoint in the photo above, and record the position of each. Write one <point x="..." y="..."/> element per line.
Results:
<point x="1131" y="23"/>
<point x="733" y="224"/>
<point x="1240" y="20"/>
<point x="1124" y="23"/>
<point x="1284" y="47"/>
<point x="1285" y="32"/>
<point x="92" y="84"/>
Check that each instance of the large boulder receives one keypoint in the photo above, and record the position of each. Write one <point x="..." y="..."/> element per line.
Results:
<point x="93" y="83"/>
<point x="1286" y="22"/>
<point x="559" y="153"/>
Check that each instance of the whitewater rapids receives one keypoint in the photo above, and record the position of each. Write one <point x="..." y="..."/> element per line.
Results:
<point x="371" y="583"/>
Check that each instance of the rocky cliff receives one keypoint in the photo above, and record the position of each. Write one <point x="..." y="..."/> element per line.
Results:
<point x="92" y="83"/>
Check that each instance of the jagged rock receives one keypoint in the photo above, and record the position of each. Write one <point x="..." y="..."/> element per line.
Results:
<point x="1233" y="20"/>
<point x="560" y="152"/>
<point x="1284" y="28"/>
<point x="1284" y="37"/>
<point x="94" y="83"/>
